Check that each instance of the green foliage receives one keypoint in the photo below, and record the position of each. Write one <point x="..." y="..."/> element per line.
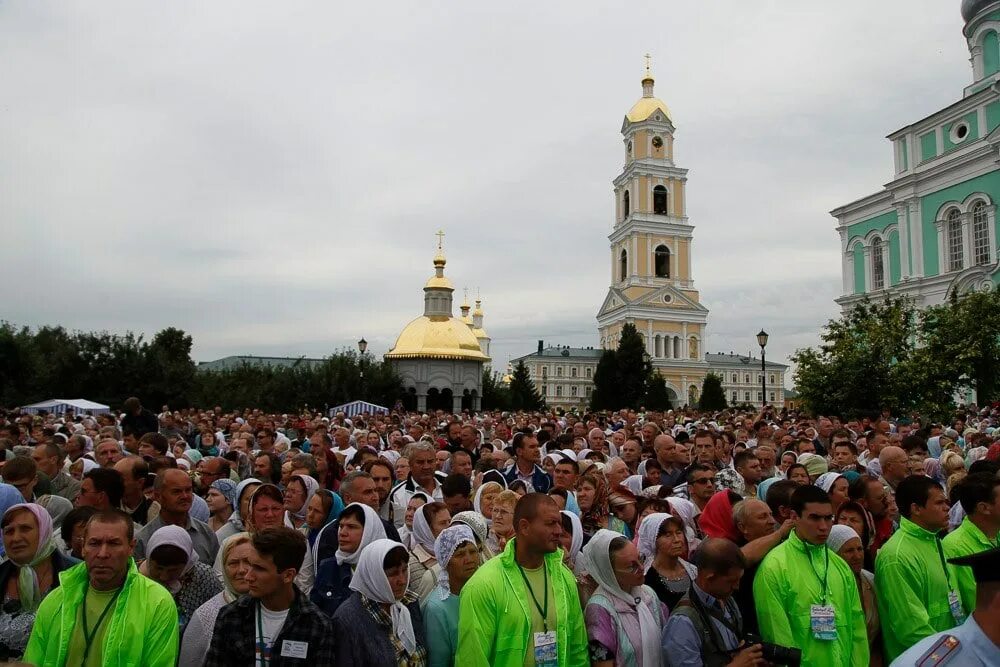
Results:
<point x="604" y="396"/>
<point x="496" y="396"/>
<point x="523" y="394"/>
<point x="713" y="397"/>
<point x="656" y="397"/>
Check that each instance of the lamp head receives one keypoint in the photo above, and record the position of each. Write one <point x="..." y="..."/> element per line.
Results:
<point x="762" y="338"/>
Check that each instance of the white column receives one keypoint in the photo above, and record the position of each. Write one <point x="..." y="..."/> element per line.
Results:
<point x="966" y="240"/>
<point x="650" y="345"/>
<point x="916" y="237"/>
<point x="635" y="256"/>
<point x="848" y="264"/>
<point x="685" y="348"/>
<point x="904" y="241"/>
<point x="942" y="267"/>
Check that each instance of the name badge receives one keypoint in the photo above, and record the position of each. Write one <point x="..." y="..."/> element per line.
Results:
<point x="955" y="604"/>
<point x="546" y="649"/>
<point x="822" y="622"/>
<point x="290" y="649"/>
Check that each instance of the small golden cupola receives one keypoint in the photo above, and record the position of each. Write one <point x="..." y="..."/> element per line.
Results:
<point x="648" y="103"/>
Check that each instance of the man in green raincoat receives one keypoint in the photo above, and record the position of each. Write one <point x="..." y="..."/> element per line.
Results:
<point x="979" y="495"/>
<point x="917" y="588"/>
<point x="806" y="595"/>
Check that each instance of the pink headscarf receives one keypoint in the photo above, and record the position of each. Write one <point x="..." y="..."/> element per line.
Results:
<point x="27" y="579"/>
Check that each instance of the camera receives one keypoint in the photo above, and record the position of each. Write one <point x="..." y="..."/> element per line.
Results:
<point x="779" y="655"/>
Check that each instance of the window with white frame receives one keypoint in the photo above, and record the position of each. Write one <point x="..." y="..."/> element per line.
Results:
<point x="980" y="234"/>
<point x="736" y="379"/>
<point x="558" y="391"/>
<point x="954" y="231"/>
<point x="735" y="397"/>
<point x="770" y="378"/>
<point x="572" y="372"/>
<point x="572" y="390"/>
<point x="772" y="397"/>
<point x="878" y="265"/>
<point x="746" y="397"/>
<point x="589" y="372"/>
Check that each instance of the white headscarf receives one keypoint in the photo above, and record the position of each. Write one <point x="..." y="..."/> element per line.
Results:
<point x="477" y="501"/>
<point x="576" y="539"/>
<point x="174" y="536"/>
<point x="373" y="531"/>
<point x="826" y="480"/>
<point x="639" y="598"/>
<point x="312" y="486"/>
<point x="451" y="538"/>
<point x="839" y="536"/>
<point x="634" y="484"/>
<point x="369" y="579"/>
<point x="422" y="533"/>
<point x="648" y="529"/>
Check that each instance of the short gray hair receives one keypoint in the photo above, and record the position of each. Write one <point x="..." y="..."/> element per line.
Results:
<point x="347" y="484"/>
<point x="421" y="446"/>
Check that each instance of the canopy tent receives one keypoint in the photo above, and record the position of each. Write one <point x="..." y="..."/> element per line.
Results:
<point x="58" y="406"/>
<point x="355" y="408"/>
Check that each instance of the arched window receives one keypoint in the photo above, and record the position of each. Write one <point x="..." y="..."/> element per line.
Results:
<point x="692" y="348"/>
<point x="658" y="346"/>
<point x="660" y="200"/>
<point x="980" y="234"/>
<point x="559" y="370"/>
<point x="558" y="390"/>
<point x="677" y="347"/>
<point x="878" y="265"/>
<point x="692" y="395"/>
<point x="662" y="261"/>
<point x="954" y="231"/>
<point x="572" y="372"/>
<point x="623" y="264"/>
<point x="746" y="379"/>
<point x="572" y="390"/>
<point x="736" y="379"/>
<point x="589" y="372"/>
<point x="625" y="204"/>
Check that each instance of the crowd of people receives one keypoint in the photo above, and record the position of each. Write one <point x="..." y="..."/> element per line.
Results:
<point x="200" y="537"/>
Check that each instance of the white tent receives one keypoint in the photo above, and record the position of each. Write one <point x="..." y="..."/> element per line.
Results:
<point x="58" y="406"/>
<point x="355" y="408"/>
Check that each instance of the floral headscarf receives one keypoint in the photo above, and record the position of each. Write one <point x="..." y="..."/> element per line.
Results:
<point x="450" y="539"/>
<point x="591" y="519"/>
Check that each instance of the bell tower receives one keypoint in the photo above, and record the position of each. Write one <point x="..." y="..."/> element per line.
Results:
<point x="652" y="284"/>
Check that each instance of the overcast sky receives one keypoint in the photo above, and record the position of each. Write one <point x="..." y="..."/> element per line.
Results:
<point x="269" y="176"/>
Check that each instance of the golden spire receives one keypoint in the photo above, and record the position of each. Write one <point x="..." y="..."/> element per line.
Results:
<point x="479" y="304"/>
<point x="438" y="280"/>
<point x="647" y="79"/>
<point x="439" y="257"/>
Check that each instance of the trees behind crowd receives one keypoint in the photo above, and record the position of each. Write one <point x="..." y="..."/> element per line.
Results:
<point x="891" y="355"/>
<point x="625" y="377"/>
<point x="51" y="362"/>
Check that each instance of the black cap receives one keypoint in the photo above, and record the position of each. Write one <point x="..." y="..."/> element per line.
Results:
<point x="985" y="564"/>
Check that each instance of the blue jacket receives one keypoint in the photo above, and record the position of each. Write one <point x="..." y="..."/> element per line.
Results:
<point x="540" y="480"/>
<point x="330" y="589"/>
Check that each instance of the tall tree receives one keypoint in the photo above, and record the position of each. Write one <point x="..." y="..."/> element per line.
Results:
<point x="713" y="397"/>
<point x="496" y="396"/>
<point x="169" y="369"/>
<point x="657" y="397"/>
<point x="523" y="394"/>
<point x="604" y="396"/>
<point x="634" y="369"/>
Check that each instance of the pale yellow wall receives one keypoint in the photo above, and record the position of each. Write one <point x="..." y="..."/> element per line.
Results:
<point x="683" y="270"/>
<point x="678" y="199"/>
<point x="640" y="142"/>
<point x="670" y="147"/>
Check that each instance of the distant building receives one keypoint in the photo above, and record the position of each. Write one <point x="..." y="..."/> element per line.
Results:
<point x="792" y="400"/>
<point x="564" y="376"/>
<point x="236" y="361"/>
<point x="741" y="378"/>
<point x="932" y="229"/>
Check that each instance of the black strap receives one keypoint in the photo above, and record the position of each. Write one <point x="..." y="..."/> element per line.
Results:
<point x="708" y="613"/>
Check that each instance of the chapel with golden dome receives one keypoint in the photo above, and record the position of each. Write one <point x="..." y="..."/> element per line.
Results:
<point x="440" y="357"/>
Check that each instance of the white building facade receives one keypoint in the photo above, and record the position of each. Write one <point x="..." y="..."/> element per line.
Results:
<point x="744" y="383"/>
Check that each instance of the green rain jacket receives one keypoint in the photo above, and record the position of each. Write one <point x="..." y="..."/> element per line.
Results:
<point x="142" y="629"/>
<point x="965" y="540"/>
<point x="913" y="580"/>
<point x="789" y="581"/>
<point x="494" y="621"/>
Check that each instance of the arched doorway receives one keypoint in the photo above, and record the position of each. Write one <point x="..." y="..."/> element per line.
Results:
<point x="409" y="399"/>
<point x="672" y="396"/>
<point x="439" y="399"/>
<point x="467" y="400"/>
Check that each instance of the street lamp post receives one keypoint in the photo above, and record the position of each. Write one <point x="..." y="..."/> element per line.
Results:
<point x="362" y="346"/>
<point x="762" y="341"/>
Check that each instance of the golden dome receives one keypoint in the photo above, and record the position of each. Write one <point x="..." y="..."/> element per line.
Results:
<point x="647" y="104"/>
<point x="437" y="338"/>
<point x="480" y="333"/>
<point x="439" y="282"/>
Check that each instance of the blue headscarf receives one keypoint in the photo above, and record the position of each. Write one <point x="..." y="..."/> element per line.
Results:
<point x="9" y="496"/>
<point x="227" y="488"/>
<point x="335" y="509"/>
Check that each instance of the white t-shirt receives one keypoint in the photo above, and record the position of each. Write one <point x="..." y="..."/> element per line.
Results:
<point x="271" y="622"/>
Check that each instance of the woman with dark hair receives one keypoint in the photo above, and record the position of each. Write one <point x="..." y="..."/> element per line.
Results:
<point x="357" y="527"/>
<point x="324" y="508"/>
<point x="857" y="517"/>
<point x="380" y="624"/>
<point x="592" y="496"/>
<point x="73" y="528"/>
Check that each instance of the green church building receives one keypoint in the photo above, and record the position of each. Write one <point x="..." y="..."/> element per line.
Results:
<point x="933" y="228"/>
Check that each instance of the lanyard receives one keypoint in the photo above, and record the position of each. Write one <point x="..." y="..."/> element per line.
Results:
<point x="826" y="572"/>
<point x="261" y="645"/>
<point x="944" y="566"/>
<point x="543" y="610"/>
<point x="88" y="636"/>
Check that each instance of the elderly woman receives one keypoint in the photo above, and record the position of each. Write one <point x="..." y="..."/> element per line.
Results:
<point x="198" y="634"/>
<point x="81" y="467"/>
<point x="623" y="504"/>
<point x="835" y="486"/>
<point x="485" y="496"/>
<point x="458" y="556"/>
<point x="624" y="617"/>
<point x="663" y="548"/>
<point x="323" y="509"/>
<point x="477" y="523"/>
<point x="416" y="501"/>
<point x="592" y="497"/>
<point x="797" y="473"/>
<point x="380" y="624"/>
<point x="428" y="523"/>
<point x="241" y="508"/>
<point x="173" y="564"/>
<point x="30" y="572"/>
<point x="298" y="492"/>
<point x="846" y="543"/>
<point x="502" y="528"/>
<point x="357" y="527"/>
<point x="221" y="497"/>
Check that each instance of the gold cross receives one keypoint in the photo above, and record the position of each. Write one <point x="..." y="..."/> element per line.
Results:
<point x="649" y="58"/>
<point x="440" y="235"/>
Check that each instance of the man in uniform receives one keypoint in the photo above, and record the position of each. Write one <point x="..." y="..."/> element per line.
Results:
<point x="976" y="642"/>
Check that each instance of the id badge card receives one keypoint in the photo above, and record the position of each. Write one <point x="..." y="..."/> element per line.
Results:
<point x="955" y="604"/>
<point x="821" y="620"/>
<point x="546" y="649"/>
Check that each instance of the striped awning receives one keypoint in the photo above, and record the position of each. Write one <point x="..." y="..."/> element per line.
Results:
<point x="355" y="408"/>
